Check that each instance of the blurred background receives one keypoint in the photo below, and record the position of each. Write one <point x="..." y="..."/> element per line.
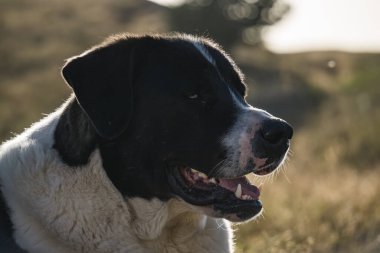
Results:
<point x="314" y="63"/>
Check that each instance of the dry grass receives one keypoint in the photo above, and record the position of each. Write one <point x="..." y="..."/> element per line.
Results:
<point x="326" y="200"/>
<point x="316" y="206"/>
<point x="36" y="37"/>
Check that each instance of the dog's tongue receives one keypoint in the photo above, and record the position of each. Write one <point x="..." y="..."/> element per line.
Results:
<point x="246" y="187"/>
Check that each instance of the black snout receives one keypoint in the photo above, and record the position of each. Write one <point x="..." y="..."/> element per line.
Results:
<point x="276" y="131"/>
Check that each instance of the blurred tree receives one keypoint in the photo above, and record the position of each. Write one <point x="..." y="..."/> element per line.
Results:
<point x="228" y="21"/>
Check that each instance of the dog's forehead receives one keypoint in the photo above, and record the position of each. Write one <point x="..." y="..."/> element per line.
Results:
<point x="223" y="63"/>
<point x="203" y="54"/>
<point x="203" y="50"/>
<point x="208" y="51"/>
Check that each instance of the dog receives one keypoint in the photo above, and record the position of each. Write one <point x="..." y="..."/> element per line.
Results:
<point x="149" y="154"/>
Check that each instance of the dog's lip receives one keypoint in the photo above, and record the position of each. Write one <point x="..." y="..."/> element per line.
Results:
<point x="218" y="200"/>
<point x="239" y="186"/>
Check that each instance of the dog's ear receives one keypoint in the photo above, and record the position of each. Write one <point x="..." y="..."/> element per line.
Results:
<point x="101" y="79"/>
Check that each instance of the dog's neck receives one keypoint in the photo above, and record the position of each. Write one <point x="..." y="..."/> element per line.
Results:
<point x="81" y="211"/>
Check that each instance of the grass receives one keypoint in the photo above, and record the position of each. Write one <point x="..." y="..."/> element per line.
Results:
<point x="317" y="205"/>
<point x="326" y="200"/>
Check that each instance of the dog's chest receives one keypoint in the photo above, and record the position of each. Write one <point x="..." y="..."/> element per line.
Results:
<point x="174" y="228"/>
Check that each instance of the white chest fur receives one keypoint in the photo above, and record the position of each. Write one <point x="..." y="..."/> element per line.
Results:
<point x="60" y="209"/>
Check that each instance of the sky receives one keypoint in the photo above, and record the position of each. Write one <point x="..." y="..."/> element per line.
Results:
<point x="310" y="25"/>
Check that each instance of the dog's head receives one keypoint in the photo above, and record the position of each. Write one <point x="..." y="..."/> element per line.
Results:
<point x="172" y="121"/>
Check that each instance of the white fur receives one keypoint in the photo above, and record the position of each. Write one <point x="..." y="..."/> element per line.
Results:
<point x="59" y="209"/>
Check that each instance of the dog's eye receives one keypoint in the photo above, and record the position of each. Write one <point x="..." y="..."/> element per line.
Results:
<point x="196" y="97"/>
<point x="193" y="96"/>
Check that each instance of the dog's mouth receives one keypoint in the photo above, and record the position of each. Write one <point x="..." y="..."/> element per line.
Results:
<point x="235" y="199"/>
<point x="240" y="187"/>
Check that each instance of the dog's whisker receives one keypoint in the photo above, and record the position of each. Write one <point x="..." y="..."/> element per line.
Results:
<point x="217" y="166"/>
<point x="221" y="225"/>
<point x="287" y="178"/>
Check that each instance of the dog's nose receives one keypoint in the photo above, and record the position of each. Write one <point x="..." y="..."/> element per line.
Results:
<point x="276" y="131"/>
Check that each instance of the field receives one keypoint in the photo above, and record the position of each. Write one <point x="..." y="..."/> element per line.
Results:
<point x="325" y="198"/>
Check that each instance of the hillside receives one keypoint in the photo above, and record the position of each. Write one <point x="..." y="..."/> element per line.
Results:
<point x="324" y="200"/>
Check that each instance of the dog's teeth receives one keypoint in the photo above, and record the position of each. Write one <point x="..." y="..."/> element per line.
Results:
<point x="202" y="175"/>
<point x="212" y="180"/>
<point x="199" y="174"/>
<point x="238" y="191"/>
<point x="246" y="197"/>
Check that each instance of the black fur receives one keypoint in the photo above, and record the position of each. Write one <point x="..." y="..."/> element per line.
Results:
<point x="75" y="137"/>
<point x="7" y="243"/>
<point x="165" y="127"/>
<point x="102" y="83"/>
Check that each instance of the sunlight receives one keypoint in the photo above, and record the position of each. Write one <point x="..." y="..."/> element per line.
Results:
<point x="345" y="25"/>
<point x="168" y="2"/>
